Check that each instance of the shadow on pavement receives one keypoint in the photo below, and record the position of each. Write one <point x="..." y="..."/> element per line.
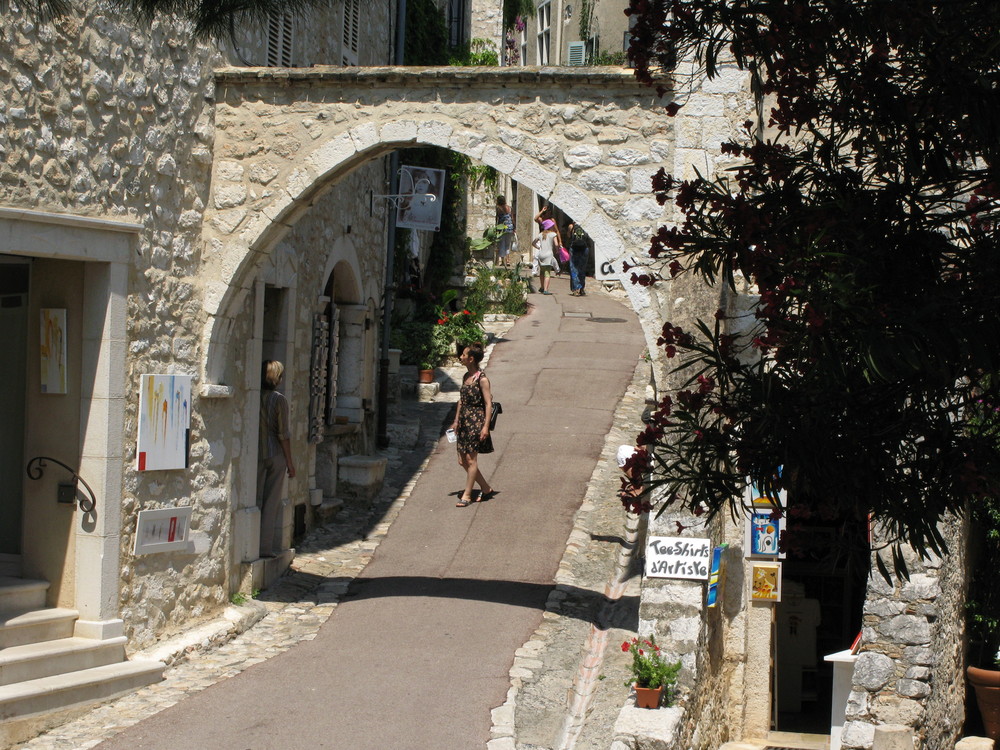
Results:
<point x="583" y="604"/>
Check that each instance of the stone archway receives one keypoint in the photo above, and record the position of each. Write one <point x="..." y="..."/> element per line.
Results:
<point x="588" y="140"/>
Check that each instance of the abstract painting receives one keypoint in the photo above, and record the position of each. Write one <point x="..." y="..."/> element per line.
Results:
<point x="53" y="350"/>
<point x="164" y="422"/>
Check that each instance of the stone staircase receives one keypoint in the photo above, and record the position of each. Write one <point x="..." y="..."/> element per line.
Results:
<point x="47" y="674"/>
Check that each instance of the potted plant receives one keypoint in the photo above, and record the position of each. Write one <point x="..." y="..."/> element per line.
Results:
<point x="653" y="678"/>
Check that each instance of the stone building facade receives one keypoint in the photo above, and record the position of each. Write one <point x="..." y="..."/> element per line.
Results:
<point x="108" y="138"/>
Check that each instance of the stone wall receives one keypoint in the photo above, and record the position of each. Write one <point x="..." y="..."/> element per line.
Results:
<point x="911" y="667"/>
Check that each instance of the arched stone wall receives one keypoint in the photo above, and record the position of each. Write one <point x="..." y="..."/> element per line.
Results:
<point x="589" y="141"/>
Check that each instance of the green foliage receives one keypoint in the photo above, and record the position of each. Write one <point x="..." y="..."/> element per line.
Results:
<point x="457" y="329"/>
<point x="477" y="52"/>
<point x="610" y="58"/>
<point x="498" y="290"/>
<point x="650" y="669"/>
<point x="238" y="598"/>
<point x="512" y="9"/>
<point x="416" y="343"/>
<point x="426" y="34"/>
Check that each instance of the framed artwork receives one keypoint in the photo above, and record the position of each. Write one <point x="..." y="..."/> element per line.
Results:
<point x="164" y="422"/>
<point x="765" y="523"/>
<point x="53" y="350"/>
<point x="163" y="530"/>
<point x="716" y="575"/>
<point x="765" y="581"/>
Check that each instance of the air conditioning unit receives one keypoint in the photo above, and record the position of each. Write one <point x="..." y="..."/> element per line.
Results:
<point x="576" y="53"/>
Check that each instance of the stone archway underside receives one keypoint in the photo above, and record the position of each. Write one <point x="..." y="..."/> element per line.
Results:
<point x="588" y="139"/>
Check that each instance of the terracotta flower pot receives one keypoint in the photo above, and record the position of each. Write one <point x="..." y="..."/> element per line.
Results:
<point x="426" y="376"/>
<point x="986" y="683"/>
<point x="648" y="697"/>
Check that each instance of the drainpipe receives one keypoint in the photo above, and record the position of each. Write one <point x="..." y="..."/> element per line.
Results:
<point x="382" y="437"/>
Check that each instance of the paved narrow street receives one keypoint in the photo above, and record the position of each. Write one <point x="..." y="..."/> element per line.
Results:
<point x="420" y="647"/>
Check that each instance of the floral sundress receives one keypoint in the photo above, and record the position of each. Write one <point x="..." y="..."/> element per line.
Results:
<point x="470" y="422"/>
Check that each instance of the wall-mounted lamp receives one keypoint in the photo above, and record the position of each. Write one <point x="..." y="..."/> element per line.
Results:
<point x="567" y="13"/>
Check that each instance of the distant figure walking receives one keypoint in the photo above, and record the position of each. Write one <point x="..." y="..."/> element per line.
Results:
<point x="472" y="424"/>
<point x="545" y="244"/>
<point x="274" y="453"/>
<point x="505" y="216"/>
<point x="579" y="249"/>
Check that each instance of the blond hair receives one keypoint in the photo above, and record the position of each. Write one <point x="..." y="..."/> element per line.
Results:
<point x="271" y="371"/>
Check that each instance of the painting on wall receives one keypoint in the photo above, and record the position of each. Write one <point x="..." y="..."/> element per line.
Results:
<point x="164" y="422"/>
<point x="53" y="350"/>
<point x="766" y="523"/>
<point x="765" y="582"/>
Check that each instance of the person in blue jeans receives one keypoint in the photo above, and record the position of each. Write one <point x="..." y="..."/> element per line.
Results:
<point x="579" y="251"/>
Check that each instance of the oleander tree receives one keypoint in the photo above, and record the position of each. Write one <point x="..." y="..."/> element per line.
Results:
<point x="862" y="210"/>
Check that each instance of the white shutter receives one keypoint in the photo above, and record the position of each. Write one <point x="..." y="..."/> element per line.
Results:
<point x="576" y="53"/>
<point x="352" y="28"/>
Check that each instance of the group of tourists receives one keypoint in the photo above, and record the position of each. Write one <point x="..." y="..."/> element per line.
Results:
<point x="551" y="253"/>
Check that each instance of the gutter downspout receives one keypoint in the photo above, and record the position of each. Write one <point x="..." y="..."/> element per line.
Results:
<point x="382" y="438"/>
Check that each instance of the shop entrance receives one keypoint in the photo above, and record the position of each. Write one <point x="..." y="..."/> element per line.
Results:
<point x="824" y="577"/>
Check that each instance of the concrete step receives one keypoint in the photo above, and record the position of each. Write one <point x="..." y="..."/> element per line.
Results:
<point x="83" y="687"/>
<point x="33" y="661"/>
<point x="21" y="595"/>
<point x="36" y="626"/>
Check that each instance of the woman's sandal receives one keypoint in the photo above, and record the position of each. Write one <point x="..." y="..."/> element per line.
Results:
<point x="484" y="496"/>
<point x="463" y="503"/>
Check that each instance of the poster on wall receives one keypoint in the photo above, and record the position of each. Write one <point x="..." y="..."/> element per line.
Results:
<point x="765" y="581"/>
<point x="678" y="557"/>
<point x="164" y="422"/>
<point x="53" y="350"/>
<point x="766" y="523"/>
<point x="423" y="189"/>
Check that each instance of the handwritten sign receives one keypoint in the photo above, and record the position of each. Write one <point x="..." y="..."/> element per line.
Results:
<point x="678" y="557"/>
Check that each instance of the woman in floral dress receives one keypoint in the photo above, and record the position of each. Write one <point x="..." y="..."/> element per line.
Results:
<point x="471" y="426"/>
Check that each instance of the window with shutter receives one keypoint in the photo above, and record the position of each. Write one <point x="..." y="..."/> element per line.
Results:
<point x="352" y="28"/>
<point x="279" y="39"/>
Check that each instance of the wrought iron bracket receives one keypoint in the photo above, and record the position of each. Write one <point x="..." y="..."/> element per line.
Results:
<point x="35" y="470"/>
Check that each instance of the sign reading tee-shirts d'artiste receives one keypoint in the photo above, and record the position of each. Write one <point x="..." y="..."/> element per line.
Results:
<point x="678" y="557"/>
<point x="423" y="194"/>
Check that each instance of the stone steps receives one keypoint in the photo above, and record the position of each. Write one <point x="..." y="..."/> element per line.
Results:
<point x="18" y="595"/>
<point x="46" y="672"/>
<point x="36" y="626"/>
<point x="75" y="688"/>
<point x="32" y="661"/>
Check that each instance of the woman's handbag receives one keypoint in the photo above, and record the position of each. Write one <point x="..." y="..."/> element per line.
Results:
<point x="497" y="411"/>
<point x="562" y="254"/>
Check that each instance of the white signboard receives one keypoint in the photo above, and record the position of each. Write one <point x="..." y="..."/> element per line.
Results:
<point x="424" y="191"/>
<point x="678" y="557"/>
